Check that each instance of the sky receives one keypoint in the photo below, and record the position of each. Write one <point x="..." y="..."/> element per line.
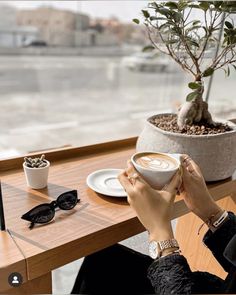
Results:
<point x="124" y="10"/>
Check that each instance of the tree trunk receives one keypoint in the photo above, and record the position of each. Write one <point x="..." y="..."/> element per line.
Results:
<point x="195" y="112"/>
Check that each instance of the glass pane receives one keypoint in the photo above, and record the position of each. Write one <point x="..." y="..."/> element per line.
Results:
<point x="222" y="101"/>
<point x="73" y="73"/>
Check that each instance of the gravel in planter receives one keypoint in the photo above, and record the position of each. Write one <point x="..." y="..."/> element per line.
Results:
<point x="169" y="123"/>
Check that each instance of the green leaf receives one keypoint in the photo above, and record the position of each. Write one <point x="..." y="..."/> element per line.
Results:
<point x="158" y="18"/>
<point x="172" y="5"/>
<point x="148" y="48"/>
<point x="177" y="16"/>
<point x="204" y="5"/>
<point x="229" y="25"/>
<point x="234" y="66"/>
<point x="182" y="5"/>
<point x="228" y="72"/>
<point x="154" y="18"/>
<point x="194" y="85"/>
<point x="208" y="72"/>
<point x="146" y="13"/>
<point x="163" y="26"/>
<point x="228" y="6"/>
<point x="196" y="22"/>
<point x="191" y="96"/>
<point x="173" y="41"/>
<point x="192" y="43"/>
<point x="193" y="28"/>
<point x="217" y="4"/>
<point x="153" y="5"/>
<point x="194" y="6"/>
<point x="163" y="11"/>
<point x="137" y="21"/>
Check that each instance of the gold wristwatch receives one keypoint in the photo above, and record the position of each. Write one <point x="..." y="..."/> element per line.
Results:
<point x="156" y="247"/>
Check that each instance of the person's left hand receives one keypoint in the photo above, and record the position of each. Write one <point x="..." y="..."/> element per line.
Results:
<point x="153" y="207"/>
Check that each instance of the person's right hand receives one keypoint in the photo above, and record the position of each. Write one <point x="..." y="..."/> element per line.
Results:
<point x="195" y="192"/>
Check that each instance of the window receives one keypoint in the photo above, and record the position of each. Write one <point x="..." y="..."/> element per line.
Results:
<point x="89" y="83"/>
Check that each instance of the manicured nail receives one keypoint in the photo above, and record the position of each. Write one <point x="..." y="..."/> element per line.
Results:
<point x="129" y="163"/>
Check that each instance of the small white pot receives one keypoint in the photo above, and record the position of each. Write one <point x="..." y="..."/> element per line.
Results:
<point x="37" y="178"/>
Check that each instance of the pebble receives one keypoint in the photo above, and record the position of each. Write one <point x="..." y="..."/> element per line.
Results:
<point x="169" y="123"/>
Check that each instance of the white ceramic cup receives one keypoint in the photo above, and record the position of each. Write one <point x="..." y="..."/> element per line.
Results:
<point x="157" y="179"/>
<point x="37" y="178"/>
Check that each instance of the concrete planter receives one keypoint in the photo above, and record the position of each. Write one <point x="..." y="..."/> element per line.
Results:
<point x="37" y="178"/>
<point x="215" y="153"/>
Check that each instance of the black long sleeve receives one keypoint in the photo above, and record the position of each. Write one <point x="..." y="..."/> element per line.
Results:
<point x="218" y="241"/>
<point x="172" y="274"/>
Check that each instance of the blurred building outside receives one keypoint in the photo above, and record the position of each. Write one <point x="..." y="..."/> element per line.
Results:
<point x="11" y="35"/>
<point x="62" y="28"/>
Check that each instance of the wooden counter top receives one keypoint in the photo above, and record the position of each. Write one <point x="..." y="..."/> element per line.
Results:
<point x="11" y="260"/>
<point x="96" y="222"/>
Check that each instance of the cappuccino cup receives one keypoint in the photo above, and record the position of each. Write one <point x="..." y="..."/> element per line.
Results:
<point x="157" y="169"/>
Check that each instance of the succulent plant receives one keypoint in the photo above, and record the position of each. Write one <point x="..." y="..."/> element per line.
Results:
<point x="35" y="162"/>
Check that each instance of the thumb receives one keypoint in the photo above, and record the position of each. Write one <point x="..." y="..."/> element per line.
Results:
<point x="190" y="169"/>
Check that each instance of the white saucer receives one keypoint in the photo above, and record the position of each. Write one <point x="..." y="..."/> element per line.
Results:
<point x="105" y="182"/>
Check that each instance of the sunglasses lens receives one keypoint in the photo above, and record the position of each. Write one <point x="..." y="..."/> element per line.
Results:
<point x="68" y="200"/>
<point x="40" y="214"/>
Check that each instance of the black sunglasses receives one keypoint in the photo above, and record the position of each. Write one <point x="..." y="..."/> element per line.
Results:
<point x="45" y="212"/>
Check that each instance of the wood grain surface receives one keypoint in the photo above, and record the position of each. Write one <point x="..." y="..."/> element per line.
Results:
<point x="96" y="222"/>
<point x="40" y="285"/>
<point x="198" y="256"/>
<point x="11" y="260"/>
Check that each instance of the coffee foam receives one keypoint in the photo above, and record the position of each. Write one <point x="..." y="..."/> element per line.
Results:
<point x="155" y="161"/>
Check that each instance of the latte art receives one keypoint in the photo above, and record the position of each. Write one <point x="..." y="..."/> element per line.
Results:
<point x="156" y="161"/>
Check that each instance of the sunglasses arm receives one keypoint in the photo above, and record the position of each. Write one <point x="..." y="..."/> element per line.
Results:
<point x="31" y="225"/>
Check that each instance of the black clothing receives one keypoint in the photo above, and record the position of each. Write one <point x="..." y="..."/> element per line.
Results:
<point x="114" y="270"/>
<point x="118" y="269"/>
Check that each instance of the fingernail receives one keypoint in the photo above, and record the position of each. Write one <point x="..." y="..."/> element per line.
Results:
<point x="182" y="157"/>
<point x="129" y="163"/>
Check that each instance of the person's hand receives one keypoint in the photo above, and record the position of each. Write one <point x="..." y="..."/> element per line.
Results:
<point x="195" y="192"/>
<point x="153" y="207"/>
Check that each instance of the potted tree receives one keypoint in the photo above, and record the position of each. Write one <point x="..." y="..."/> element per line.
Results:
<point x="173" y="31"/>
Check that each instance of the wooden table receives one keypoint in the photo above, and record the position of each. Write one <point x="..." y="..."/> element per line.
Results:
<point x="96" y="222"/>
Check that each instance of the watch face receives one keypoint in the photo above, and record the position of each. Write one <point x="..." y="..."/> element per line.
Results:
<point x="153" y="250"/>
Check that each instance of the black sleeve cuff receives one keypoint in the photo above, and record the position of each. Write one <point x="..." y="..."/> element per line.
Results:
<point x="218" y="240"/>
<point x="171" y="275"/>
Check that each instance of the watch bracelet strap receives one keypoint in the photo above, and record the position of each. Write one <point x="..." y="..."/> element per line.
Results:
<point x="174" y="251"/>
<point x="166" y="244"/>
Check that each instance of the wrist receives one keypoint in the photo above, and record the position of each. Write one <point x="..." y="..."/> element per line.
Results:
<point x="169" y="251"/>
<point x="213" y="210"/>
<point x="218" y="220"/>
<point x="215" y="220"/>
<point x="161" y="234"/>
